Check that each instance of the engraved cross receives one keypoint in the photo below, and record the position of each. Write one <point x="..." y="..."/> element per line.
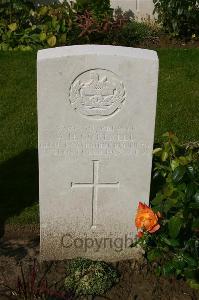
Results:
<point x="95" y="185"/>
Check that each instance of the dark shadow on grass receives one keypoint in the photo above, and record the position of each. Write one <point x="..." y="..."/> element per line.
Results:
<point x="19" y="248"/>
<point x="18" y="185"/>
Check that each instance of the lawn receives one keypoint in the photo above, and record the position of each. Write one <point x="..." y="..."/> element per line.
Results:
<point x="177" y="110"/>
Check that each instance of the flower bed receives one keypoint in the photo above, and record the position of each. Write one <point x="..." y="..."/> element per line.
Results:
<point x="169" y="230"/>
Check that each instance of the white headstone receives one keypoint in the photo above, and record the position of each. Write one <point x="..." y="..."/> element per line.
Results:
<point x="96" y="116"/>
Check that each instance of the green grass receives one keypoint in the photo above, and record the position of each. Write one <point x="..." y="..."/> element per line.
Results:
<point x="178" y="94"/>
<point x="18" y="139"/>
<point x="177" y="110"/>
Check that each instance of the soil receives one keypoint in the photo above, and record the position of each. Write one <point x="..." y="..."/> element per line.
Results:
<point x="164" y="41"/>
<point x="137" y="279"/>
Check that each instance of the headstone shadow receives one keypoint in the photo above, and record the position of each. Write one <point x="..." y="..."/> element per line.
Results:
<point x="18" y="185"/>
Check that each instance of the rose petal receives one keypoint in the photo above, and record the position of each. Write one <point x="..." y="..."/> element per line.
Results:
<point x="141" y="205"/>
<point x="140" y="234"/>
<point x="154" y="229"/>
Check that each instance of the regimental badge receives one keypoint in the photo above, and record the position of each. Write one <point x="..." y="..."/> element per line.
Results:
<point x="97" y="93"/>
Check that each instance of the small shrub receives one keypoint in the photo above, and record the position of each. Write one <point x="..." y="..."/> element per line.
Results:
<point x="99" y="8"/>
<point x="86" y="277"/>
<point x="134" y="33"/>
<point x="179" y="17"/>
<point x="175" y="199"/>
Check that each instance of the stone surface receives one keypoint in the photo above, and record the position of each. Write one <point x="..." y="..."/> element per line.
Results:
<point x="96" y="116"/>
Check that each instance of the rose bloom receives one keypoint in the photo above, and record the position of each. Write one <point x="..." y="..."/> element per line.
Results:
<point x="146" y="219"/>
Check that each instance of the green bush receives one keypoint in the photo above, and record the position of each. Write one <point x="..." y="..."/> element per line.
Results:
<point x="178" y="17"/>
<point x="25" y="27"/>
<point x="175" y="184"/>
<point x="98" y="7"/>
<point x="87" y="277"/>
<point x="133" y="33"/>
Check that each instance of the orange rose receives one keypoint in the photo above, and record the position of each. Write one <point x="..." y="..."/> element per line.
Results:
<point x="146" y="219"/>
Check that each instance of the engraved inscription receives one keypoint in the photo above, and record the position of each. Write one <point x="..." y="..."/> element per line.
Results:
<point x="95" y="185"/>
<point x="77" y="141"/>
<point x="97" y="93"/>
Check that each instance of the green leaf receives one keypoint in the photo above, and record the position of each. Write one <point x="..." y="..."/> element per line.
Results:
<point x="25" y="48"/>
<point x="178" y="174"/>
<point x="12" y="26"/>
<point x="189" y="191"/>
<point x="180" y="11"/>
<point x="171" y="242"/>
<point x="174" y="225"/>
<point x="54" y="22"/>
<point x="174" y="164"/>
<point x="153" y="255"/>
<point x="156" y="174"/>
<point x="168" y="191"/>
<point x="196" y="197"/>
<point x="42" y="36"/>
<point x="157" y="151"/>
<point x="179" y="263"/>
<point x="183" y="160"/>
<point x="52" y="41"/>
<point x="195" y="204"/>
<point x="43" y="10"/>
<point x="170" y="203"/>
<point x="191" y="262"/>
<point x="63" y="26"/>
<point x="191" y="171"/>
<point x="166" y="134"/>
<point x="168" y="269"/>
<point x="193" y="284"/>
<point x="173" y="147"/>
<point x="165" y="155"/>
<point x="4" y="46"/>
<point x="63" y="39"/>
<point x="158" y="199"/>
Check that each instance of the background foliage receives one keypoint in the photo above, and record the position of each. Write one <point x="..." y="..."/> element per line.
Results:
<point x="178" y="17"/>
<point x="24" y="26"/>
